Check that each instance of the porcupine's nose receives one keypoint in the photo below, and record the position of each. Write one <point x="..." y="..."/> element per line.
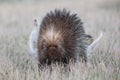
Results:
<point x="52" y="51"/>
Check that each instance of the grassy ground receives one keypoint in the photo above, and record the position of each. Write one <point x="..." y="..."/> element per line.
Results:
<point x="16" y="22"/>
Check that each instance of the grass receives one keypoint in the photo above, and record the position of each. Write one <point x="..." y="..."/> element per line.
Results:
<point x="16" y="22"/>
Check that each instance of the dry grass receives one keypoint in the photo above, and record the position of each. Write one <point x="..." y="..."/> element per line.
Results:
<point x="16" y="22"/>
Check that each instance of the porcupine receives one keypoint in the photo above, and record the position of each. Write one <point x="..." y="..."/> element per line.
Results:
<point x="62" y="38"/>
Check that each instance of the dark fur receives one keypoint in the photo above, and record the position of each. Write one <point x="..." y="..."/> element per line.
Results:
<point x="71" y="46"/>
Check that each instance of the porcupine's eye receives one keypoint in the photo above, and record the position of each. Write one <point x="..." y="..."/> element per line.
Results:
<point x="44" y="45"/>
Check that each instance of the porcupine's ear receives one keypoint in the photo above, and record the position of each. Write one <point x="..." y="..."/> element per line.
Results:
<point x="91" y="47"/>
<point x="33" y="39"/>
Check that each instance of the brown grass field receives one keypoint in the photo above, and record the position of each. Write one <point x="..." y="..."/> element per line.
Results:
<point x="16" y="23"/>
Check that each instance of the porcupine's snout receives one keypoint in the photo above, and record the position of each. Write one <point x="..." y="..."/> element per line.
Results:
<point x="53" y="52"/>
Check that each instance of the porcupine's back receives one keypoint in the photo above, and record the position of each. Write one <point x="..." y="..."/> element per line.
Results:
<point x="61" y="37"/>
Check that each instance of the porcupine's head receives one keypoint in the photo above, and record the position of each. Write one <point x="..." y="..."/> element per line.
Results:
<point x="61" y="36"/>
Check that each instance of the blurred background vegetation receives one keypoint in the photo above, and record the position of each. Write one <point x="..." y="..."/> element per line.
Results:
<point x="17" y="21"/>
<point x="13" y="1"/>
